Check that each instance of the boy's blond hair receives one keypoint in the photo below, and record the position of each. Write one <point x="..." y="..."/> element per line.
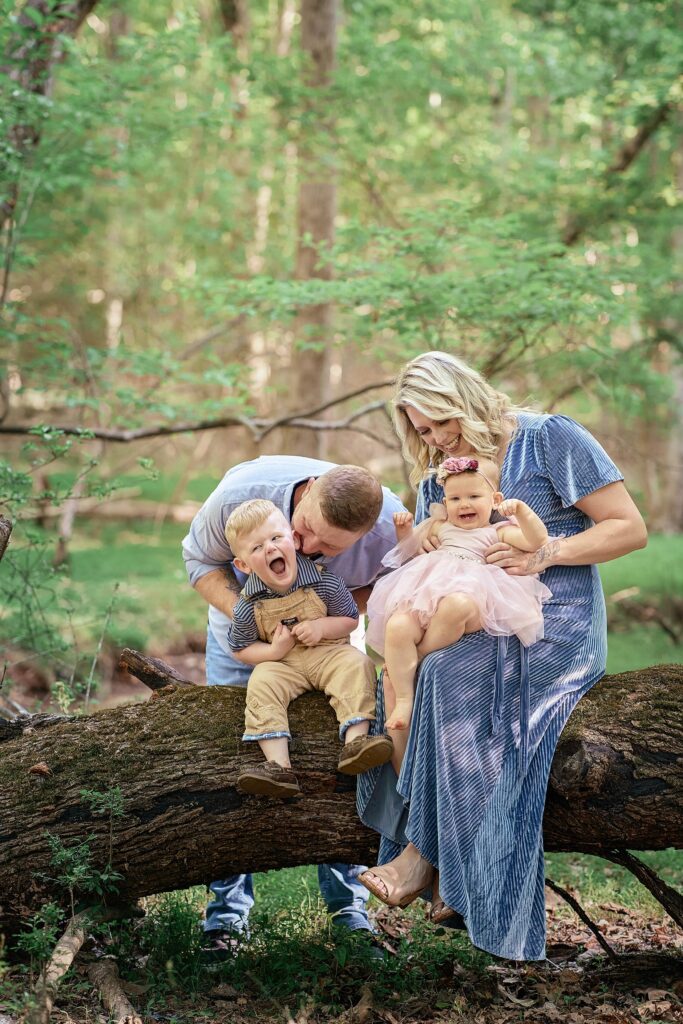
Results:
<point x="247" y="517"/>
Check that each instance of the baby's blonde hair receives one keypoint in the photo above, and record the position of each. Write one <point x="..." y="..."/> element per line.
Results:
<point x="247" y="517"/>
<point x="442" y="387"/>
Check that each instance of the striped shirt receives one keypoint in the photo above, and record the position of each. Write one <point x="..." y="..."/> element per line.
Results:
<point x="330" y="588"/>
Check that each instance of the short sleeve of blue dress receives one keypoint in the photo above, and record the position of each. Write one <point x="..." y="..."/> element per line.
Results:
<point x="461" y="797"/>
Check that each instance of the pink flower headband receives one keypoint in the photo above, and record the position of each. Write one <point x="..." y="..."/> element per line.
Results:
<point x="460" y="464"/>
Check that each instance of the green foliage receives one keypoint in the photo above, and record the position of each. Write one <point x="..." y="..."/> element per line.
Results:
<point x="37" y="612"/>
<point x="40" y="935"/>
<point x="109" y="803"/>
<point x="294" y="952"/>
<point x="75" y="872"/>
<point x="495" y="133"/>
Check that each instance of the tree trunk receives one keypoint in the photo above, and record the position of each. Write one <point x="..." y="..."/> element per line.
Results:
<point x="315" y="216"/>
<point x="32" y="52"/>
<point x="616" y="783"/>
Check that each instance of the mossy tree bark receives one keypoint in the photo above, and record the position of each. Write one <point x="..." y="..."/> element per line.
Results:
<point x="617" y="782"/>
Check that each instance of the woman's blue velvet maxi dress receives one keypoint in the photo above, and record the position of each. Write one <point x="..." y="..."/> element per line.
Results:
<point x="488" y="715"/>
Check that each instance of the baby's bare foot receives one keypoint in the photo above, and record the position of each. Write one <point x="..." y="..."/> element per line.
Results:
<point x="401" y="715"/>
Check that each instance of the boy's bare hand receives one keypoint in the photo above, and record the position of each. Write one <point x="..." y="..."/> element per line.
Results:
<point x="282" y="642"/>
<point x="309" y="632"/>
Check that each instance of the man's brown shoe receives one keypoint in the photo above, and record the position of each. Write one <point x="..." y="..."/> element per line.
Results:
<point x="269" y="779"/>
<point x="365" y="752"/>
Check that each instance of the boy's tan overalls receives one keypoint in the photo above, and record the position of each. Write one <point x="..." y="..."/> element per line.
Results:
<point x="343" y="673"/>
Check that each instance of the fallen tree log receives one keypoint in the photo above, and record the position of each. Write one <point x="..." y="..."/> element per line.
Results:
<point x="616" y="783"/>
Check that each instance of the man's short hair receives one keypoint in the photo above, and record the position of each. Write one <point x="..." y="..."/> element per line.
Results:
<point x="246" y="517"/>
<point x="350" y="498"/>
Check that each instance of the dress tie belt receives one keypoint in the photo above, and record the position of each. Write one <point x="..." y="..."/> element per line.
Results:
<point x="524" y="701"/>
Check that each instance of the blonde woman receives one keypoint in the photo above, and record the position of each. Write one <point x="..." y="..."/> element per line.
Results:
<point x="465" y="816"/>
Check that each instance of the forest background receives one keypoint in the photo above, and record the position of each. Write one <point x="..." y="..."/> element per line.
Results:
<point x="225" y="227"/>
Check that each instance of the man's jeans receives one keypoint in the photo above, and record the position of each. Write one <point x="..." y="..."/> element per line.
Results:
<point x="233" y="897"/>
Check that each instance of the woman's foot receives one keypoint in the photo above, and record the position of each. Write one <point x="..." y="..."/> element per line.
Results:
<point x="401" y="715"/>
<point x="400" y="881"/>
<point x="440" y="911"/>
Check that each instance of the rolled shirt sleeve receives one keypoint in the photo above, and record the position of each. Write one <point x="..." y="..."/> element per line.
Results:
<point x="205" y="547"/>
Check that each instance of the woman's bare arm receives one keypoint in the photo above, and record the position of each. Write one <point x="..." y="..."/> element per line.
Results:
<point x="618" y="529"/>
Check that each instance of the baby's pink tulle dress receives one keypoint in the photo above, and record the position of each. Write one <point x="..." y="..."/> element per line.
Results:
<point x="508" y="604"/>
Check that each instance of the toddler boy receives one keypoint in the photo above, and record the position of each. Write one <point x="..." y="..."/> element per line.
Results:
<point x="293" y="622"/>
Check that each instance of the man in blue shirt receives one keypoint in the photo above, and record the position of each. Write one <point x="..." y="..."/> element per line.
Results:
<point x="342" y="515"/>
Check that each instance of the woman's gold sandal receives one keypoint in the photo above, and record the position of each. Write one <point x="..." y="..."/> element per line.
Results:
<point x="380" y="889"/>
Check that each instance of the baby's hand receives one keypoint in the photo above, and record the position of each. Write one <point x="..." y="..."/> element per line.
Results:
<point x="309" y="632"/>
<point x="282" y="642"/>
<point x="510" y="507"/>
<point x="403" y="524"/>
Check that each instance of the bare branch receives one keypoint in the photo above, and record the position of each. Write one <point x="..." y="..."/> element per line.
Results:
<point x="59" y="963"/>
<point x="258" y="427"/>
<point x="153" y="672"/>
<point x="578" y="909"/>
<point x="670" y="898"/>
<point x="622" y="161"/>
<point x="205" y="339"/>
<point x="630" y="150"/>
<point x="104" y="974"/>
<point x="64" y="954"/>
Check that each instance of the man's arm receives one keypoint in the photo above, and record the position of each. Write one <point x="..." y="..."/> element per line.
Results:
<point x="220" y="588"/>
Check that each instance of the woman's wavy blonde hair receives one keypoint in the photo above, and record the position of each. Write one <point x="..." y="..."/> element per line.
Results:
<point x="442" y="387"/>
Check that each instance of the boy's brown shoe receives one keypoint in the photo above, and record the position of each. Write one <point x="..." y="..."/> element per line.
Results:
<point x="269" y="779"/>
<point x="365" y="752"/>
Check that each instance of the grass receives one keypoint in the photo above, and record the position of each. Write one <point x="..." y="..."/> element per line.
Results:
<point x="295" y="954"/>
<point x="656" y="569"/>
<point x="599" y="881"/>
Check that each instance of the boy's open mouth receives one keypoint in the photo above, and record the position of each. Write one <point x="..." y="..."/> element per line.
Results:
<point x="468" y="516"/>
<point x="278" y="566"/>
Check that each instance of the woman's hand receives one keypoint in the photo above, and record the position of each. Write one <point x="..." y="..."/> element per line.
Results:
<point x="516" y="562"/>
<point x="429" y="542"/>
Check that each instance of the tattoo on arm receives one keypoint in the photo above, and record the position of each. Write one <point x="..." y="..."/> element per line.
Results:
<point x="538" y="557"/>
<point x="231" y="581"/>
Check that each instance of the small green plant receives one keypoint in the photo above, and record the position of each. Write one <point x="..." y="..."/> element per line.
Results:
<point x="40" y="935"/>
<point x="76" y="873"/>
<point x="109" y="803"/>
<point x="171" y="935"/>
